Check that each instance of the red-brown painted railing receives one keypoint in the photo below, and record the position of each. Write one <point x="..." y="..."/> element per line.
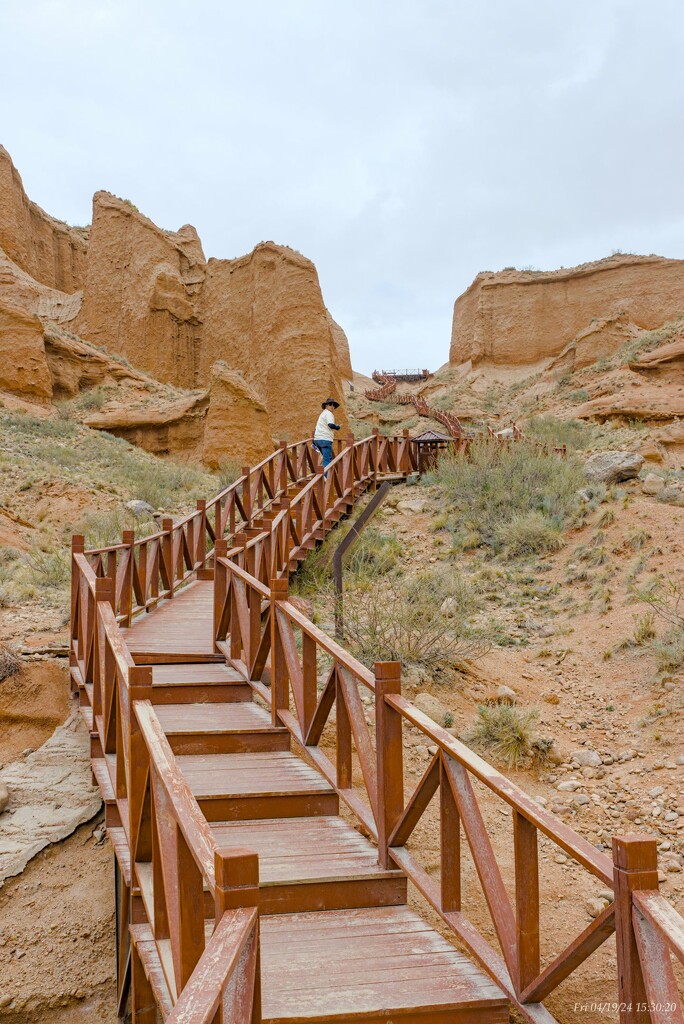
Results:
<point x="281" y="651"/>
<point x="173" y="865"/>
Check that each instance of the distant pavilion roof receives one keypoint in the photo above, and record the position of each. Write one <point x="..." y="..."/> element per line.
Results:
<point x="431" y="435"/>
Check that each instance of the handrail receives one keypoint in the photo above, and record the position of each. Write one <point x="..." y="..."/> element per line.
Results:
<point x="276" y="646"/>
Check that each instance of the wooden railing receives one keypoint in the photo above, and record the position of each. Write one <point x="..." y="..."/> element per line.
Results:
<point x="361" y="755"/>
<point x="387" y="392"/>
<point x="197" y="904"/>
<point x="146" y="570"/>
<point x="180" y="883"/>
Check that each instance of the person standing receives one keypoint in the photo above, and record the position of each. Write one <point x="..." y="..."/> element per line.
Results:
<point x="323" y="434"/>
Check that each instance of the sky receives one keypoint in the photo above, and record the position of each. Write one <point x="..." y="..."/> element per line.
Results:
<point x="402" y="146"/>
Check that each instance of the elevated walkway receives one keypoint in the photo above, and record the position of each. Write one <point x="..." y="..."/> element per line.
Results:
<point x="246" y="892"/>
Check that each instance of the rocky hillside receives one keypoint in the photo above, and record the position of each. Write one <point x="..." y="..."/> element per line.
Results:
<point x="521" y="318"/>
<point x="244" y="348"/>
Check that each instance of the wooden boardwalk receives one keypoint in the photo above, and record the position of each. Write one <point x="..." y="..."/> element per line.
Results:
<point x="244" y="894"/>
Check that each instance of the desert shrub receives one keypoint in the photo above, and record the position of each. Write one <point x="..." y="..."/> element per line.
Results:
<point x="552" y="431"/>
<point x="424" y="621"/>
<point x="506" y="730"/>
<point x="104" y="528"/>
<point x="666" y="600"/>
<point x="9" y="662"/>
<point x="228" y="472"/>
<point x="669" y="650"/>
<point x="48" y="569"/>
<point x="529" y="533"/>
<point x="644" y="628"/>
<point x="374" y="554"/>
<point x="496" y="484"/>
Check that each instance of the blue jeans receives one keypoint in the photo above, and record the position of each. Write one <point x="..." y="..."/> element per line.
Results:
<point x="326" y="450"/>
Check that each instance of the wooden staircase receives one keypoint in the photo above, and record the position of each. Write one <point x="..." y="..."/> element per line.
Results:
<point x="244" y="895"/>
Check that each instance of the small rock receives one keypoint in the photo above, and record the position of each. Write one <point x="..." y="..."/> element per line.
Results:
<point x="671" y="816"/>
<point x="4" y="796"/>
<point x="662" y="877"/>
<point x="586" y="758"/>
<point x="652" y="484"/>
<point x="580" y="799"/>
<point x="665" y="845"/>
<point x="606" y="894"/>
<point x="5" y="1001"/>
<point x="19" y="953"/>
<point x="140" y="509"/>
<point x="505" y="693"/>
<point x="99" y="833"/>
<point x="568" y="787"/>
<point x="431" y="707"/>
<point x="626" y="755"/>
<point x="596" y="906"/>
<point x="656" y="791"/>
<point x="673" y="866"/>
<point x="560" y="858"/>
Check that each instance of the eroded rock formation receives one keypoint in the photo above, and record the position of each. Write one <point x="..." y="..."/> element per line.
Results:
<point x="523" y="318"/>
<point x="47" y="249"/>
<point x="126" y="303"/>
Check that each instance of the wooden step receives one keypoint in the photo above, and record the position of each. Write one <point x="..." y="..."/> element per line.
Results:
<point x="377" y="964"/>
<point x="180" y="629"/>
<point x="239" y="787"/>
<point x="233" y="728"/>
<point x="198" y="684"/>
<point x="315" y="863"/>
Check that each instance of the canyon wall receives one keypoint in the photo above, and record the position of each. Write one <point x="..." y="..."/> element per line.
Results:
<point x="522" y="317"/>
<point x="251" y="337"/>
<point x="47" y="249"/>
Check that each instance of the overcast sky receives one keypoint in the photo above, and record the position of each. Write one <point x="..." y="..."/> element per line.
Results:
<point x="402" y="146"/>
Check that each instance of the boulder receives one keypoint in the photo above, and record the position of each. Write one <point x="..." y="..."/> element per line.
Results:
<point x="4" y="796"/>
<point x="431" y="707"/>
<point x="612" y="467"/>
<point x="586" y="758"/>
<point x="522" y="318"/>
<point x="140" y="509"/>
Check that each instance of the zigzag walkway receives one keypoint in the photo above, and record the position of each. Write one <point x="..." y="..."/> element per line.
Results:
<point x="242" y="893"/>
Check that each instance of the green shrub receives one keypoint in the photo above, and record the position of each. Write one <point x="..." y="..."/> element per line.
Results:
<point x="669" y="650"/>
<point x="496" y="484"/>
<point x="529" y="533"/>
<point x="101" y="529"/>
<point x="373" y="554"/>
<point x="420" y="621"/>
<point x="552" y="431"/>
<point x="506" y="730"/>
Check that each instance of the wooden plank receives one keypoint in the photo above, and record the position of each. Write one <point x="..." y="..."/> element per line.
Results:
<point x="659" y="979"/>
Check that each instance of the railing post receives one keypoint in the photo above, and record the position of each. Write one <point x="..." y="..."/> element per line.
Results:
<point x="375" y="445"/>
<point x="405" y="465"/>
<point x="389" y="753"/>
<point x="200" y="552"/>
<point x="220" y="590"/>
<point x="139" y="688"/>
<point x="247" y="494"/>
<point x="635" y="868"/>
<point x="279" y="677"/>
<point x="167" y="554"/>
<point x="104" y="592"/>
<point x="236" y="872"/>
<point x="126" y="605"/>
<point x="283" y="483"/>
<point x="77" y="548"/>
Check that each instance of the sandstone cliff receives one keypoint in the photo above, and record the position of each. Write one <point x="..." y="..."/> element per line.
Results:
<point x="524" y="318"/>
<point x="151" y="296"/>
<point x="50" y="251"/>
<point x="251" y="337"/>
